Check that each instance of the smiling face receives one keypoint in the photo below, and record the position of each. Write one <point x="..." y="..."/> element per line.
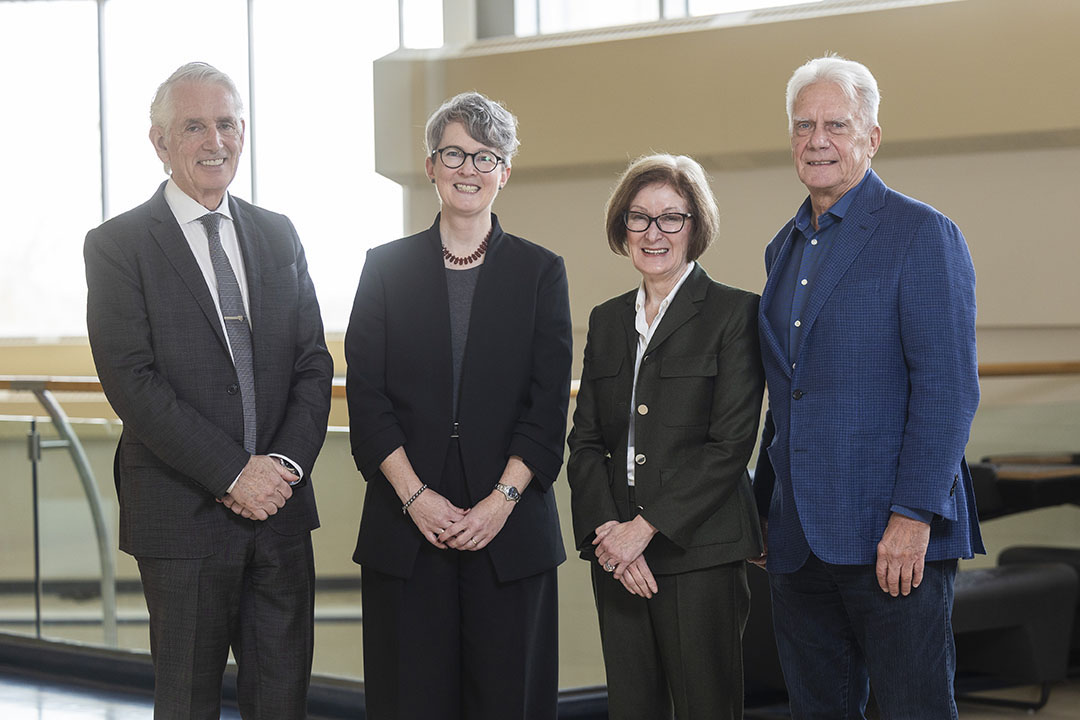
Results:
<point x="464" y="191"/>
<point x="660" y="257"/>
<point x="830" y="146"/>
<point x="203" y="142"/>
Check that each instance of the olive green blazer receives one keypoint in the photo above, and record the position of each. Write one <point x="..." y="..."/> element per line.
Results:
<point x="696" y="414"/>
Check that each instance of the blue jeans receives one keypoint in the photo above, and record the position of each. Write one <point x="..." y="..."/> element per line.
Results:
<point x="838" y="634"/>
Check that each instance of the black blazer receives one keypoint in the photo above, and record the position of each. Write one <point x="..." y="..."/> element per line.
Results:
<point x="697" y="408"/>
<point x="513" y="396"/>
<point x="165" y="367"/>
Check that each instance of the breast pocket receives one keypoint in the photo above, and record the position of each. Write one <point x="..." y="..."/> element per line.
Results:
<point x="280" y="306"/>
<point x="602" y="371"/>
<point x="686" y="387"/>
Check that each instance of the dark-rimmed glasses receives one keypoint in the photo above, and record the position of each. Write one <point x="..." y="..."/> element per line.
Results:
<point x="671" y="222"/>
<point x="454" y="157"/>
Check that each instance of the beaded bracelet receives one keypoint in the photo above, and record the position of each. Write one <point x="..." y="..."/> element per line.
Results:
<point x="405" y="507"/>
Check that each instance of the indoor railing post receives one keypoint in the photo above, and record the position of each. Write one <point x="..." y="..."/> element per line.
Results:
<point x="101" y="528"/>
<point x="33" y="441"/>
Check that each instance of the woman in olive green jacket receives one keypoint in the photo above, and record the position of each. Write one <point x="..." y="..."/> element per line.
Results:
<point x="666" y="420"/>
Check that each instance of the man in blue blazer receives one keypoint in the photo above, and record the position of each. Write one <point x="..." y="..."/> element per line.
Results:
<point x="867" y="328"/>
<point x="208" y="341"/>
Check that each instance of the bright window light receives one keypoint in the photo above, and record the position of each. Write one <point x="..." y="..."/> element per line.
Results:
<point x="310" y="134"/>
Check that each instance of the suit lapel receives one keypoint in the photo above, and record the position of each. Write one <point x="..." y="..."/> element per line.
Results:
<point x="683" y="307"/>
<point x="250" y="243"/>
<point x="766" y="329"/>
<point x="856" y="229"/>
<point x="629" y="317"/>
<point x="170" y="238"/>
<point x="431" y="274"/>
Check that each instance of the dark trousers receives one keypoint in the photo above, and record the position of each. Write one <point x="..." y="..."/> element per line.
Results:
<point x="452" y="642"/>
<point x="838" y="634"/>
<point x="680" y="651"/>
<point x="256" y="596"/>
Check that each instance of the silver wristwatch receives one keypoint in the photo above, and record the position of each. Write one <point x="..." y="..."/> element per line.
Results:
<point x="509" y="491"/>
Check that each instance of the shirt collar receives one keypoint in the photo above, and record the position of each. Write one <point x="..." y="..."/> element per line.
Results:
<point x="838" y="210"/>
<point x="639" y="302"/>
<point x="186" y="209"/>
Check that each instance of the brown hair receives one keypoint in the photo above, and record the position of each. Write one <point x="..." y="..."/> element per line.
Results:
<point x="680" y="172"/>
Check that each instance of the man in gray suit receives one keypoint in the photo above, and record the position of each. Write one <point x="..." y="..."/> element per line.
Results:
<point x="208" y="341"/>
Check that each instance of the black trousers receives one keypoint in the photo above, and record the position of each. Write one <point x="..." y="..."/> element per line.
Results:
<point x="256" y="595"/>
<point x="678" y="654"/>
<point x="452" y="642"/>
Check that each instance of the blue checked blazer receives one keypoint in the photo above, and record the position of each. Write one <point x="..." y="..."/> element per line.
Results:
<point x="878" y="406"/>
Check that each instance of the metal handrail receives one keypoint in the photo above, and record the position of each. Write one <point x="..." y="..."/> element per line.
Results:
<point x="1021" y="369"/>
<point x="88" y="383"/>
<point x="69" y="440"/>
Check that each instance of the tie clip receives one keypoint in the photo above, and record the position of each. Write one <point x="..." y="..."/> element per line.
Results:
<point x="234" y="317"/>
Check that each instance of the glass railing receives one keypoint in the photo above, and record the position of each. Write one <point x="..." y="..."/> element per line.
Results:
<point x="58" y="571"/>
<point x="54" y="583"/>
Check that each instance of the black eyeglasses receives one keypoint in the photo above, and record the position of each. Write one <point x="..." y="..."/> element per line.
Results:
<point x="668" y="222"/>
<point x="454" y="157"/>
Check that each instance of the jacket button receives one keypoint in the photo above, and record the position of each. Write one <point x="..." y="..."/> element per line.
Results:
<point x="233" y="389"/>
<point x="643" y="409"/>
<point x="797" y="394"/>
<point x="639" y="459"/>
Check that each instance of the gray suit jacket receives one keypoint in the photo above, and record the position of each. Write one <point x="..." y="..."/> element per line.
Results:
<point x="697" y="408"/>
<point x="165" y="367"/>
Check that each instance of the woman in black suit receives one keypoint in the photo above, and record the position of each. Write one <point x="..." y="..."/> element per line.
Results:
<point x="459" y="351"/>
<point x="666" y="420"/>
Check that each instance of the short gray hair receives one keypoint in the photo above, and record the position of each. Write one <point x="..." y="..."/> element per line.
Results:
<point x="853" y="78"/>
<point x="161" y="109"/>
<point x="487" y="122"/>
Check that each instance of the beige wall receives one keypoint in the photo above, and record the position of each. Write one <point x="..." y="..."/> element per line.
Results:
<point x="980" y="117"/>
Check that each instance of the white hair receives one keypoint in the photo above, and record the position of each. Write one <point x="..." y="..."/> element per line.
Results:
<point x="161" y="109"/>
<point x="854" y="79"/>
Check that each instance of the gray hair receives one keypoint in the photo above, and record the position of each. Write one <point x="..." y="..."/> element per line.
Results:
<point x="161" y="109"/>
<point x="853" y="78"/>
<point x="487" y="121"/>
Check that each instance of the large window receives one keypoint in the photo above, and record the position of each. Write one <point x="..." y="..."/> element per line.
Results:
<point x="50" y="186"/>
<point x="536" y="17"/>
<point x="77" y="149"/>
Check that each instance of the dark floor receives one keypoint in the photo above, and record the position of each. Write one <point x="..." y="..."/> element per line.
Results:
<point x="28" y="699"/>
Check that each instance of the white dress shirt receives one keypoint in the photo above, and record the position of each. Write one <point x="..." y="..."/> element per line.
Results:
<point x="645" y="333"/>
<point x="187" y="213"/>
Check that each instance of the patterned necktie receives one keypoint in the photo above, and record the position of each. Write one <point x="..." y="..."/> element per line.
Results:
<point x="236" y="324"/>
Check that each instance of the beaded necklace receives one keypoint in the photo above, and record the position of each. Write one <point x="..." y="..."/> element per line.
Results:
<point x="468" y="259"/>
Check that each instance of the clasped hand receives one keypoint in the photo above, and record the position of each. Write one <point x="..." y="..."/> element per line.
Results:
<point x="445" y="525"/>
<point x="261" y="490"/>
<point x="619" y="548"/>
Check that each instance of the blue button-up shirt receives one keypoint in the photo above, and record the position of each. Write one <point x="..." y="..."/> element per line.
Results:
<point x="809" y="252"/>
